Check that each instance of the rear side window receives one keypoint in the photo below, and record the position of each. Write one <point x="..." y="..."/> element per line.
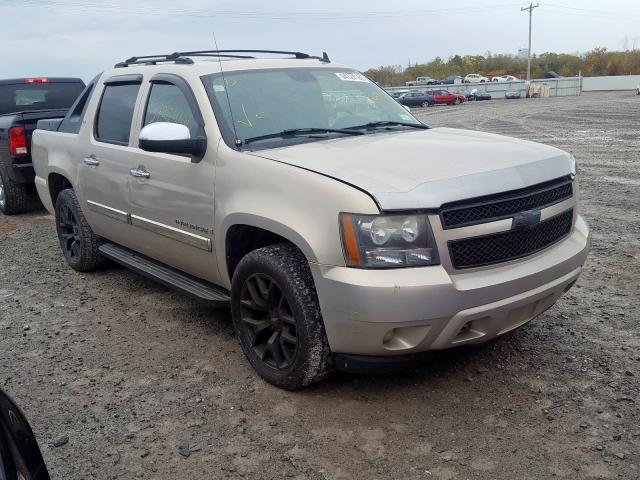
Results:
<point x="73" y="120"/>
<point x="115" y="114"/>
<point x="167" y="103"/>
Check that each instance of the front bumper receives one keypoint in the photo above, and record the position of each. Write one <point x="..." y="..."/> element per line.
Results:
<point x="412" y="310"/>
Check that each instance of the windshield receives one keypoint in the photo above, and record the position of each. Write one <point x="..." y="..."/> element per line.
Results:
<point x="266" y="102"/>
<point x="38" y="96"/>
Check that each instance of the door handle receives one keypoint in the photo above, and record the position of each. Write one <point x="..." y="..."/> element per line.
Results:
<point x="139" y="172"/>
<point x="91" y="160"/>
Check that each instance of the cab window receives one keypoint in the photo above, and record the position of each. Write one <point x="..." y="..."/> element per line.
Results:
<point x="167" y="103"/>
<point x="115" y="114"/>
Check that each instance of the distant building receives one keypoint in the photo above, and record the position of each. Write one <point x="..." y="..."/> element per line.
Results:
<point x="523" y="53"/>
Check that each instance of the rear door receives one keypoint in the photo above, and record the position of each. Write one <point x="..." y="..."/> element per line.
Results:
<point x="104" y="157"/>
<point x="172" y="201"/>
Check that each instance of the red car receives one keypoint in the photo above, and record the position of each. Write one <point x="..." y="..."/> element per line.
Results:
<point x="446" y="97"/>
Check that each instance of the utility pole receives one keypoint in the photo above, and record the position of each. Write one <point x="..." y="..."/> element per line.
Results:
<point x="530" y="9"/>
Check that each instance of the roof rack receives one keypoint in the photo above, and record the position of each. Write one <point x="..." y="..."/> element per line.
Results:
<point x="183" y="57"/>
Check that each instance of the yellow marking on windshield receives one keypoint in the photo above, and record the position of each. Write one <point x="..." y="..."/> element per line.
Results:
<point x="248" y="122"/>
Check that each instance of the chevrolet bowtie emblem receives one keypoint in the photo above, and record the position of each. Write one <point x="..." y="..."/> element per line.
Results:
<point x="525" y="220"/>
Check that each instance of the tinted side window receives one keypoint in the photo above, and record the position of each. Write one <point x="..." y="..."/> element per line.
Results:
<point x="167" y="103"/>
<point x="115" y="114"/>
<point x="73" y="120"/>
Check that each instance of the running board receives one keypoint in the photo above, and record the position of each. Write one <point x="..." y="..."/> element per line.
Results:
<point x="167" y="276"/>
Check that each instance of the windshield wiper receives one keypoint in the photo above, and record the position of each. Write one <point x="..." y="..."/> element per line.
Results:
<point x="292" y="132"/>
<point x="388" y="123"/>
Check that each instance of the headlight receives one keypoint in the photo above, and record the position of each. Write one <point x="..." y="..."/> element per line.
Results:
<point x="574" y="167"/>
<point x="388" y="241"/>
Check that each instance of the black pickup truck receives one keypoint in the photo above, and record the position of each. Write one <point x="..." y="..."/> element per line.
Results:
<point x="23" y="102"/>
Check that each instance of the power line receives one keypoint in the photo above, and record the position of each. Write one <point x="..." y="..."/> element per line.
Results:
<point x="530" y="9"/>
<point x="87" y="7"/>
<point x="589" y="10"/>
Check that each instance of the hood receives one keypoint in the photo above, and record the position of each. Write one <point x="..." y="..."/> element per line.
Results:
<point x="423" y="169"/>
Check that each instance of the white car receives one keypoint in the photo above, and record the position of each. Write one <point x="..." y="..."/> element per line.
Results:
<point x="475" y="78"/>
<point x="504" y="78"/>
<point x="422" y="81"/>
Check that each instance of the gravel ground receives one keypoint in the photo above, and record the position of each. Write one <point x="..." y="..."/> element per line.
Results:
<point x="130" y="371"/>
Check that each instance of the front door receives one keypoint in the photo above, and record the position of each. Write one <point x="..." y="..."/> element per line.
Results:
<point x="171" y="195"/>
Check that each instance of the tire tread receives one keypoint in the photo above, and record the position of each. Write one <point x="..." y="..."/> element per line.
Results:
<point x="292" y="263"/>
<point x="16" y="196"/>
<point x="90" y="258"/>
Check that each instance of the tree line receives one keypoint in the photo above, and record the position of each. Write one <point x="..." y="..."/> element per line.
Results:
<point x="597" y="62"/>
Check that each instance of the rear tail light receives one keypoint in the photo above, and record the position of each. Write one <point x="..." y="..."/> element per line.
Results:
<point x="36" y="80"/>
<point x="17" y="141"/>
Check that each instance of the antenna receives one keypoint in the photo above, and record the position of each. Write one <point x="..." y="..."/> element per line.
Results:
<point x="238" y="142"/>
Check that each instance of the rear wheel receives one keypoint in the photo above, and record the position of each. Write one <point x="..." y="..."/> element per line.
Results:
<point x="277" y="317"/>
<point x="78" y="242"/>
<point x="456" y="101"/>
<point x="13" y="198"/>
<point x="426" y="104"/>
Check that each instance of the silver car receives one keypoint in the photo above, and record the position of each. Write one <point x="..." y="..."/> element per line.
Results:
<point x="341" y="230"/>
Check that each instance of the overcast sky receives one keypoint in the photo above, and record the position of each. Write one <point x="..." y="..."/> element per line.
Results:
<point x="82" y="38"/>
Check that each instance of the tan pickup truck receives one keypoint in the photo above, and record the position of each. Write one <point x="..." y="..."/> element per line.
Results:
<point x="343" y="232"/>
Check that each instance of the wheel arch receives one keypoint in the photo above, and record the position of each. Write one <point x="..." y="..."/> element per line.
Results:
<point x="57" y="182"/>
<point x="244" y="233"/>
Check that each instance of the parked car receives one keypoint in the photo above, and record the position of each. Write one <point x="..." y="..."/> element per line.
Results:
<point x="552" y="74"/>
<point x="342" y="236"/>
<point x="421" y="81"/>
<point x="444" y="97"/>
<point x="451" y="80"/>
<point x="416" y="99"/>
<point x="476" y="95"/>
<point x="397" y="93"/>
<point x="513" y="94"/>
<point x="504" y="78"/>
<point x="23" y="102"/>
<point x="475" y="78"/>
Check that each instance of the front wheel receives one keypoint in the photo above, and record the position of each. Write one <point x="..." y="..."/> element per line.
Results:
<point x="277" y="317"/>
<point x="456" y="101"/>
<point x="78" y="242"/>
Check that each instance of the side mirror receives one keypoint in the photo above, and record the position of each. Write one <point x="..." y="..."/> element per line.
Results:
<point x="20" y="456"/>
<point x="165" y="137"/>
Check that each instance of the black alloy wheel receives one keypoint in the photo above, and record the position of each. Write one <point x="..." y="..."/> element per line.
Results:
<point x="77" y="241"/>
<point x="268" y="321"/>
<point x="69" y="232"/>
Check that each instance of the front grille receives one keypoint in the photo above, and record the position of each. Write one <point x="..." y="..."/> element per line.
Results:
<point x="496" y="207"/>
<point x="505" y="246"/>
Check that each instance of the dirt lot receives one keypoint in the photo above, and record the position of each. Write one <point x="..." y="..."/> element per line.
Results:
<point x="130" y="371"/>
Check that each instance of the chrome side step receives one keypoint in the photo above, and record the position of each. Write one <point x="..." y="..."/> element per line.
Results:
<point x="170" y="277"/>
